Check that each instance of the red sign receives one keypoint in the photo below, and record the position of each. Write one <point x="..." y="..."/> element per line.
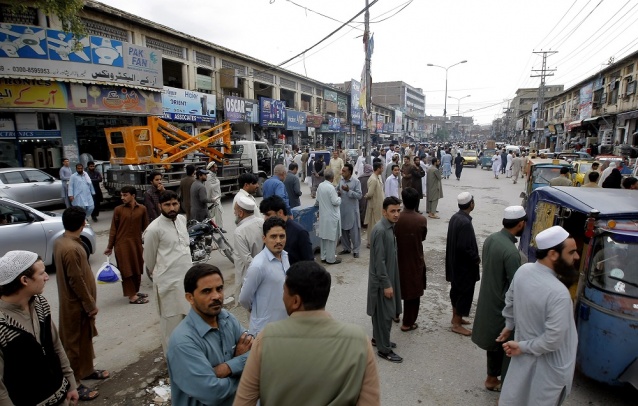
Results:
<point x="314" y="120"/>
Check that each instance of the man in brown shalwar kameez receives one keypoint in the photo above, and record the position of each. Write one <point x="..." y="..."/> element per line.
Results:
<point x="128" y="224"/>
<point x="77" y="296"/>
<point x="410" y="232"/>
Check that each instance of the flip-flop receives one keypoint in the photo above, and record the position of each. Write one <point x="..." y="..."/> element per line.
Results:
<point x="139" y="300"/>
<point x="139" y="294"/>
<point x="412" y="327"/>
<point x="99" y="374"/>
<point x="496" y="388"/>
<point x="396" y="319"/>
<point x="86" y="394"/>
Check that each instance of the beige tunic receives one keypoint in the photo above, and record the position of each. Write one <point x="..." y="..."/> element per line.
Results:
<point x="375" y="198"/>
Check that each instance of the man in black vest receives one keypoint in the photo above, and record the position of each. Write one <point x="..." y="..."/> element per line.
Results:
<point x="30" y="347"/>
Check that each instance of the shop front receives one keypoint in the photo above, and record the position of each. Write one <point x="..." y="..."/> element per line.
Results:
<point x="272" y="120"/>
<point x="296" y="127"/>
<point x="243" y="115"/>
<point x="190" y="111"/>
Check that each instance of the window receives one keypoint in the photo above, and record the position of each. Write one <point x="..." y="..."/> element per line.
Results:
<point x="11" y="214"/>
<point x="11" y="178"/>
<point x="611" y="267"/>
<point x="36" y="176"/>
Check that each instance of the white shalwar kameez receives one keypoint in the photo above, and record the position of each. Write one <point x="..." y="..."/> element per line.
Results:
<point x="496" y="165"/>
<point x="540" y="309"/>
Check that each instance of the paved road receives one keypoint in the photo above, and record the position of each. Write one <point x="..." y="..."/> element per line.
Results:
<point x="439" y="368"/>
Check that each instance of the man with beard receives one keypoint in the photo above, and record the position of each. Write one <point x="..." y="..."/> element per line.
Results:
<point x="434" y="188"/>
<point x="539" y="305"/>
<point x="127" y="225"/>
<point x="462" y="262"/>
<point x="184" y="190"/>
<point x="209" y="348"/>
<point x="374" y="196"/>
<point x="152" y="194"/>
<point x="199" y="196"/>
<point x="96" y="179"/>
<point x="167" y="257"/>
<point x="264" y="284"/>
<point x="501" y="259"/>
<point x="411" y="175"/>
<point x="248" y="240"/>
<point x="349" y="189"/>
<point x="81" y="190"/>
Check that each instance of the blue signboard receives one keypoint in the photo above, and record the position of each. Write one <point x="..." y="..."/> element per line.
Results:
<point x="355" y="109"/>
<point x="106" y="51"/>
<point x="295" y="120"/>
<point x="186" y="105"/>
<point x="272" y="113"/>
<point x="240" y="110"/>
<point x="39" y="134"/>
<point x="334" y="124"/>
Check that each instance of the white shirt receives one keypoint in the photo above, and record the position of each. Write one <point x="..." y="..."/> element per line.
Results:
<point x="392" y="186"/>
<point x="248" y="243"/>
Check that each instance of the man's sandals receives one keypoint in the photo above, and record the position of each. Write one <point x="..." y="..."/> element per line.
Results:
<point x="86" y="394"/>
<point x="405" y="329"/>
<point x="141" y="299"/>
<point x="98" y="374"/>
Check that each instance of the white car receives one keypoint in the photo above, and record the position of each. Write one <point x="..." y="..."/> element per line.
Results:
<point x="25" y="228"/>
<point x="30" y="186"/>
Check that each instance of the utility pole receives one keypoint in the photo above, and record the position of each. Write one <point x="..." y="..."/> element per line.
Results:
<point x="544" y="72"/>
<point x="366" y="135"/>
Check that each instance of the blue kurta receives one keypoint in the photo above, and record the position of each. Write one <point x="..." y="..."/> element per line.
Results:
<point x="349" y="209"/>
<point x="81" y="188"/>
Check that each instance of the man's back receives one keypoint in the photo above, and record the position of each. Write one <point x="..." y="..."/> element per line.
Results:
<point x="293" y="189"/>
<point x="560" y="181"/>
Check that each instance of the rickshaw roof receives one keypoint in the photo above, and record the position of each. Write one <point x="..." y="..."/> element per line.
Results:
<point x="609" y="202"/>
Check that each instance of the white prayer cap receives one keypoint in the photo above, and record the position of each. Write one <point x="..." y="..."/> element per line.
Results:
<point x="464" y="198"/>
<point x="246" y="203"/>
<point x="514" y="213"/>
<point x="210" y="164"/>
<point x="551" y="237"/>
<point x="13" y="263"/>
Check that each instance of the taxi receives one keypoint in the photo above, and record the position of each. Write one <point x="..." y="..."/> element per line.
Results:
<point x="470" y="157"/>
<point x="580" y="169"/>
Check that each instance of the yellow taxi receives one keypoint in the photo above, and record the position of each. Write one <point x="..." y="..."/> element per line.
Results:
<point x="580" y="169"/>
<point x="471" y="159"/>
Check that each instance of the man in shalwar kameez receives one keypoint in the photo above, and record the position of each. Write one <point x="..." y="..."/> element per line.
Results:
<point x="349" y="189"/>
<point x="496" y="164"/>
<point x="128" y="223"/>
<point x="374" y="196"/>
<point x="538" y="304"/>
<point x="384" y="289"/>
<point x="167" y="258"/>
<point x="329" y="229"/>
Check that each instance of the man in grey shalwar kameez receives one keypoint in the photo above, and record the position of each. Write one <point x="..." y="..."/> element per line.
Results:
<point x="349" y="189"/>
<point x="329" y="229"/>
<point x="384" y="289"/>
<point x="539" y="305"/>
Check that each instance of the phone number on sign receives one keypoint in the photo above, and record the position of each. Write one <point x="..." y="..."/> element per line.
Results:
<point x="23" y="69"/>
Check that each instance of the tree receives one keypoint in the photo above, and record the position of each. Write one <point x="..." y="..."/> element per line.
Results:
<point x="66" y="10"/>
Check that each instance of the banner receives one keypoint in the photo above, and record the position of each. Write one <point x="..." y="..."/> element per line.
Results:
<point x="240" y="110"/>
<point x="32" y="51"/>
<point x="586" y="97"/>
<point x="398" y="120"/>
<point x="355" y="109"/>
<point x="187" y="105"/>
<point x="330" y="95"/>
<point x="314" y="120"/>
<point x="379" y="123"/>
<point x="295" y="120"/>
<point x="272" y="113"/>
<point x="342" y="103"/>
<point x="334" y="124"/>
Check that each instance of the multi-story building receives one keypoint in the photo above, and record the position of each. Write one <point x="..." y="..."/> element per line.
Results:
<point x="520" y="109"/>
<point x="400" y="95"/>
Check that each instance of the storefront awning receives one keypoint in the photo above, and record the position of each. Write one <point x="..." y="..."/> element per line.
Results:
<point x="574" y="124"/>
<point x="627" y="115"/>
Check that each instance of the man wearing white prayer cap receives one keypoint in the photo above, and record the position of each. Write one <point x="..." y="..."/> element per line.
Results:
<point x="462" y="262"/>
<point x="501" y="259"/>
<point x="538" y="303"/>
<point x="248" y="239"/>
<point x="31" y="347"/>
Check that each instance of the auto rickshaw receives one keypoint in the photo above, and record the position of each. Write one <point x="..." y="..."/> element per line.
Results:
<point x="604" y="223"/>
<point x="486" y="158"/>
<point x="539" y="172"/>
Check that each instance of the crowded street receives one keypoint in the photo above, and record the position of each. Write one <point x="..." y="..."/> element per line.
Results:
<point x="439" y="368"/>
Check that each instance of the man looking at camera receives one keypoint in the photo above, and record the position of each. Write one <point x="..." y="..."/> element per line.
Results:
<point x="208" y="349"/>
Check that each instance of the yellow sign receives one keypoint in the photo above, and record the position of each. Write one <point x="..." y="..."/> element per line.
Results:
<point x="30" y="93"/>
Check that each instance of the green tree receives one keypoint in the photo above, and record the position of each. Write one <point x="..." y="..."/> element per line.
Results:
<point x="66" y="10"/>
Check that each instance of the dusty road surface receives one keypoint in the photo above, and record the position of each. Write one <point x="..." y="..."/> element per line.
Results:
<point x="439" y="368"/>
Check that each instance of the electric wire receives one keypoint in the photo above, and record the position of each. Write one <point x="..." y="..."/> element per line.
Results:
<point x="567" y="25"/>
<point x="557" y="23"/>
<point x="578" y="26"/>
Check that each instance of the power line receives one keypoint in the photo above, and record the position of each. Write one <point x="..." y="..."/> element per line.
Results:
<point x="557" y="23"/>
<point x="579" y="24"/>
<point x="567" y="25"/>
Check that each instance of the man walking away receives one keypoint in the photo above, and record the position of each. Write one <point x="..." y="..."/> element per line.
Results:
<point x="77" y="298"/>
<point x="462" y="262"/>
<point x="199" y="196"/>
<point x="209" y="348"/>
<point x="349" y="189"/>
<point x="214" y="193"/>
<point x="538" y="303"/>
<point x="410" y="231"/>
<point x="81" y="190"/>
<point x="29" y="337"/>
<point x="96" y="179"/>
<point x="329" y="230"/>
<point x="501" y="260"/>
<point x="274" y="186"/>
<point x="152" y="195"/>
<point x="293" y="186"/>
<point x="167" y="257"/>
<point x="517" y="166"/>
<point x="184" y="190"/>
<point x="290" y="356"/>
<point x="263" y="286"/>
<point x="434" y="189"/>
<point x="128" y="223"/>
<point x="384" y="290"/>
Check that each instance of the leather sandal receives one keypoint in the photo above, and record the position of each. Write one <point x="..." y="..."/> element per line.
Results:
<point x="87" y="394"/>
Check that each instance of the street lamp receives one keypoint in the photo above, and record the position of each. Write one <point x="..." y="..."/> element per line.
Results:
<point x="446" y="69"/>
<point x="458" y="106"/>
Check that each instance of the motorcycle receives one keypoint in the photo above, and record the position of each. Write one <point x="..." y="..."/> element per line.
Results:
<point x="205" y="237"/>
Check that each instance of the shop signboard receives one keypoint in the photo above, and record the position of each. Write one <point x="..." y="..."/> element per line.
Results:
<point x="240" y="110"/>
<point x="355" y="109"/>
<point x="330" y="95"/>
<point x="187" y="105"/>
<point x="398" y="120"/>
<point x="37" y="52"/>
<point x="325" y="128"/>
<point x="272" y="113"/>
<point x="334" y="124"/>
<point x="379" y="123"/>
<point x="586" y="97"/>
<point x="314" y="120"/>
<point x="295" y="120"/>
<point x="46" y="94"/>
<point x="388" y="128"/>
<point x="342" y="103"/>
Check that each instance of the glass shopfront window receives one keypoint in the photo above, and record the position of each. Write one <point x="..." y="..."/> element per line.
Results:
<point x="90" y="132"/>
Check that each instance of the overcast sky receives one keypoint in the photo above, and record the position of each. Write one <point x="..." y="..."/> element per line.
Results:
<point x="496" y="37"/>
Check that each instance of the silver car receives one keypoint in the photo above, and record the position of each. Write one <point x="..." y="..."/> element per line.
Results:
<point x="25" y="228"/>
<point x="30" y="186"/>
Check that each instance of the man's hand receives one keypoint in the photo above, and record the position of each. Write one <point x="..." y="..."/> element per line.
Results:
<point x="345" y="188"/>
<point x="244" y="344"/>
<point x="512" y="348"/>
<point x="73" y="397"/>
<point x="505" y="334"/>
<point x="222" y="370"/>
<point x="93" y="312"/>
<point x="161" y="187"/>
<point x="108" y="251"/>
<point x="388" y="292"/>
<point x="70" y="198"/>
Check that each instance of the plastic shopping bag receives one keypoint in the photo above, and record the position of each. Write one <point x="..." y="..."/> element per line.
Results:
<point x="308" y="181"/>
<point x="108" y="273"/>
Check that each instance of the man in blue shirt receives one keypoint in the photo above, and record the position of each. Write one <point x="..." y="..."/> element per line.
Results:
<point x="208" y="349"/>
<point x="274" y="186"/>
<point x="262" y="293"/>
<point x="81" y="190"/>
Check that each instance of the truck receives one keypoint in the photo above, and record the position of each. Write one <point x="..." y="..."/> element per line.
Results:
<point x="136" y="151"/>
